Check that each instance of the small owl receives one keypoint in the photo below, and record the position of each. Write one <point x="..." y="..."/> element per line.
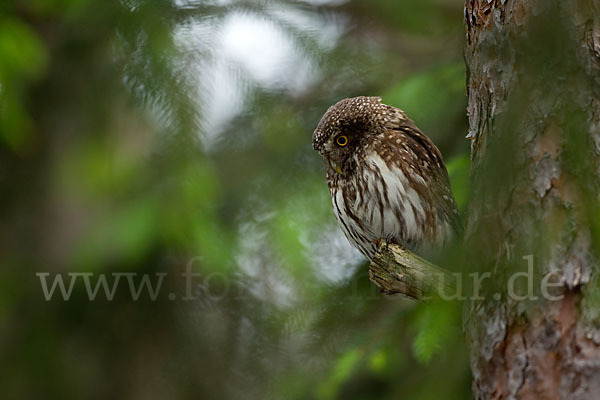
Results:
<point x="386" y="178"/>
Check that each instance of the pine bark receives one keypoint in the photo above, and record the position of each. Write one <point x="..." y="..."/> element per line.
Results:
<point x="533" y="82"/>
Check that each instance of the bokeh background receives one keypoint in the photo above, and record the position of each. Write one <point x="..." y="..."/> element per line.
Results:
<point x="146" y="136"/>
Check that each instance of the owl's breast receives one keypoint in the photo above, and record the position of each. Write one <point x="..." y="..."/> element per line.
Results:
<point x="379" y="201"/>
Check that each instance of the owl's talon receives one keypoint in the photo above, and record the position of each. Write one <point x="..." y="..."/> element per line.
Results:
<point x="380" y="242"/>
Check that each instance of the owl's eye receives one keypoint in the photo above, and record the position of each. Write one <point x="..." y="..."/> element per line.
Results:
<point x="342" y="140"/>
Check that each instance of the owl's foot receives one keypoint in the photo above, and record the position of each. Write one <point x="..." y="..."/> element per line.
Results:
<point x="388" y="240"/>
<point x="380" y="242"/>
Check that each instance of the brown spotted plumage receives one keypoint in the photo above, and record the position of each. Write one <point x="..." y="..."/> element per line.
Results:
<point x="387" y="180"/>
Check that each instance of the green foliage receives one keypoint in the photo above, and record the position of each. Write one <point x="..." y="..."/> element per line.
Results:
<point x="437" y="328"/>
<point x="23" y="59"/>
<point x="342" y="371"/>
<point x="419" y="18"/>
<point x="435" y="99"/>
<point x="378" y="361"/>
<point x="107" y="166"/>
<point x="24" y="54"/>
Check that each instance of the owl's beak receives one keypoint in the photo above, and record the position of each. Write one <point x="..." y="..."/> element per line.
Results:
<point x="335" y="166"/>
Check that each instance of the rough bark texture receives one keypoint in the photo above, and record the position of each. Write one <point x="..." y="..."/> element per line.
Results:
<point x="533" y="71"/>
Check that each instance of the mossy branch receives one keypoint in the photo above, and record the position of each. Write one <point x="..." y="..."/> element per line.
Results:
<point x="395" y="270"/>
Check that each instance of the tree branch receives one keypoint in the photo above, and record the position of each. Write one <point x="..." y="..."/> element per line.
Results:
<point x="395" y="270"/>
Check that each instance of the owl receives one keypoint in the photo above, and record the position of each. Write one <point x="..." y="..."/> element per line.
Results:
<point x="387" y="180"/>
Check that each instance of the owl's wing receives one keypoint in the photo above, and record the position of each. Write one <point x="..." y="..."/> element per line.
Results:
<point x="447" y="204"/>
<point x="429" y="165"/>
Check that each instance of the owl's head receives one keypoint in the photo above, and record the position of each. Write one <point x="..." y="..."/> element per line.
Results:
<point x="346" y="127"/>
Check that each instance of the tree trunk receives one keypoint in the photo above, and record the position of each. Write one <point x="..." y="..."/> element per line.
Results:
<point x="533" y="78"/>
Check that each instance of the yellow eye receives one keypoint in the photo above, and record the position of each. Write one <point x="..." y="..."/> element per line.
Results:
<point x="342" y="140"/>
